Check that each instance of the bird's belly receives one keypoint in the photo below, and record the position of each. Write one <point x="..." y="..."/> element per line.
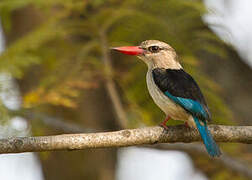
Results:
<point x="171" y="109"/>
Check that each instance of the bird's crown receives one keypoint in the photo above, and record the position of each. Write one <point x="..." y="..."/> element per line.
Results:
<point x="155" y="46"/>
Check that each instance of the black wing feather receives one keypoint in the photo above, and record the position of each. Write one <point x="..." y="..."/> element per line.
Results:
<point x="179" y="84"/>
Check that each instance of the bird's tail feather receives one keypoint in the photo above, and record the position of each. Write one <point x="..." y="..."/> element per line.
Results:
<point x="211" y="146"/>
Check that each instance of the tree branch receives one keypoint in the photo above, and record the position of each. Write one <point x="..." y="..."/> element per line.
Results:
<point x="58" y="123"/>
<point x="110" y="84"/>
<point x="129" y="137"/>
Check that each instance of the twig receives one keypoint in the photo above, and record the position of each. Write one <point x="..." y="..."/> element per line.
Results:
<point x="129" y="137"/>
<point x="110" y="85"/>
<point x="58" y="123"/>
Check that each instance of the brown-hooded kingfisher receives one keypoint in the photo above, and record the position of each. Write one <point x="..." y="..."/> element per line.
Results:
<point x="173" y="90"/>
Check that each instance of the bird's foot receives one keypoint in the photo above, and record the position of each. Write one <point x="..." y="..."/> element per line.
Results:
<point x="163" y="124"/>
<point x="186" y="124"/>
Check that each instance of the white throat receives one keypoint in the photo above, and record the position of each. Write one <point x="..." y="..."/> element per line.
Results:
<point x="173" y="64"/>
<point x="167" y="62"/>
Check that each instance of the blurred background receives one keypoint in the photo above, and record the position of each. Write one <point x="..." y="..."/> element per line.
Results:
<point x="57" y="75"/>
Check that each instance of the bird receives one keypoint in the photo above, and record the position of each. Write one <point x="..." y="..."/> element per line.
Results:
<point x="173" y="90"/>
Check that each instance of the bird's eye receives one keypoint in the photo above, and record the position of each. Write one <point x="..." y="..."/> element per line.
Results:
<point x="154" y="49"/>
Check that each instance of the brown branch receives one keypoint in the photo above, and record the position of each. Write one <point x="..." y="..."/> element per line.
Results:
<point x="229" y="162"/>
<point x="129" y="137"/>
<point x="110" y="84"/>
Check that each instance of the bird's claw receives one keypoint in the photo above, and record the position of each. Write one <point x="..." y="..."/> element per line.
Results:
<point x="163" y="124"/>
<point x="187" y="125"/>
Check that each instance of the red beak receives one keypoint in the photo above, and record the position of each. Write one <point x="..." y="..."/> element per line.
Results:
<point x="130" y="50"/>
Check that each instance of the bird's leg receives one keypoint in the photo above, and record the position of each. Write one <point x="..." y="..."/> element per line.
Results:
<point x="187" y="125"/>
<point x="163" y="124"/>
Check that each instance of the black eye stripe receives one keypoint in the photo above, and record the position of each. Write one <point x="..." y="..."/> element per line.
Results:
<point x="154" y="49"/>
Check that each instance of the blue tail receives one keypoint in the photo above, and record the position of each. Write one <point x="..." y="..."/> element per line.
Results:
<point x="211" y="146"/>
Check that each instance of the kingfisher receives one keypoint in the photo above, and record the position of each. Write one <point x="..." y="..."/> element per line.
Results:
<point x="173" y="90"/>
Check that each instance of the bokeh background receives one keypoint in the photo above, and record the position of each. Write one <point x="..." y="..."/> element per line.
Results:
<point x="58" y="75"/>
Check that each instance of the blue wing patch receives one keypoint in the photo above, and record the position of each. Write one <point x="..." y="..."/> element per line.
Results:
<point x="194" y="107"/>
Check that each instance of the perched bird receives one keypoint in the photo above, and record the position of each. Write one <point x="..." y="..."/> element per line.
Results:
<point x="173" y="90"/>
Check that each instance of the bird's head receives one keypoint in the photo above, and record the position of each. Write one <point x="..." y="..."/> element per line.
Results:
<point x="154" y="53"/>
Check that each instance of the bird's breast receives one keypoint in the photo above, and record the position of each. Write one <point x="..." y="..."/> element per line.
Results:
<point x="164" y="103"/>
